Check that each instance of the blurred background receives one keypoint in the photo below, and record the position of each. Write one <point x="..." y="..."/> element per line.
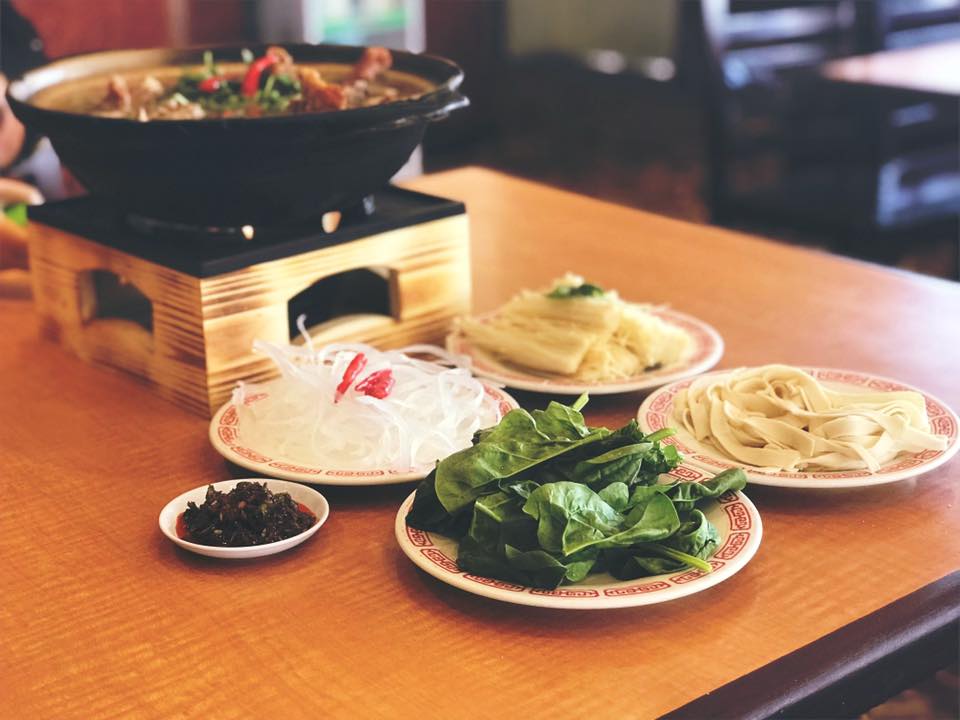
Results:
<point x="749" y="114"/>
<point x="826" y="123"/>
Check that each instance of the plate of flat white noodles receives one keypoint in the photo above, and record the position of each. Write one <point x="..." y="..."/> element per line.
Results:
<point x="575" y="337"/>
<point x="805" y="427"/>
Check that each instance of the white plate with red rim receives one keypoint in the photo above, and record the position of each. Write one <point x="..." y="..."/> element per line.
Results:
<point x="308" y="497"/>
<point x="705" y="352"/>
<point x="735" y="517"/>
<point x="228" y="438"/>
<point x="656" y="412"/>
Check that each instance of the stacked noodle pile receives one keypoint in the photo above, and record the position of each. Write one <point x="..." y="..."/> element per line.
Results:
<point x="778" y="417"/>
<point x="579" y="331"/>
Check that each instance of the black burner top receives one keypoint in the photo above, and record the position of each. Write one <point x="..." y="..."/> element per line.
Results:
<point x="203" y="252"/>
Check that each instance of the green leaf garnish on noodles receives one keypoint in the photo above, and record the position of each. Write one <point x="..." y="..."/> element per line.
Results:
<point x="563" y="292"/>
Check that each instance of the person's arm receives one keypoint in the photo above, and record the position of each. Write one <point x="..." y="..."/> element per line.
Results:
<point x="12" y="133"/>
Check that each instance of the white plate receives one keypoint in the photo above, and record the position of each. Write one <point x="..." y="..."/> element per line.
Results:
<point x="229" y="439"/>
<point x="706" y="351"/>
<point x="300" y="493"/>
<point x="734" y="516"/>
<point x="657" y="412"/>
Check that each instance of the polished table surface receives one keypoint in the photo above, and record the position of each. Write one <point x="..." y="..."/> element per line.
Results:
<point x="102" y="616"/>
<point x="931" y="68"/>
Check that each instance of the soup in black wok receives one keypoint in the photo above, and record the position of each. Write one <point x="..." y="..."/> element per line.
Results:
<point x="273" y="84"/>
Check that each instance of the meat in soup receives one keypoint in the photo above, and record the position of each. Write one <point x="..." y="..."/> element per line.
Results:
<point x="269" y="85"/>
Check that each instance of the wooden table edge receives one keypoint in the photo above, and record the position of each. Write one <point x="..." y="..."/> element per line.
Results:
<point x="862" y="76"/>
<point x="893" y="94"/>
<point x="852" y="669"/>
<point x="421" y="182"/>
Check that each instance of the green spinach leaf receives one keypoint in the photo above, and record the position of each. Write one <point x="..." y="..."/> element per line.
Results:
<point x="542" y="499"/>
<point x="570" y="516"/>
<point x="428" y="514"/>
<point x="687" y="494"/>
<point x="517" y="444"/>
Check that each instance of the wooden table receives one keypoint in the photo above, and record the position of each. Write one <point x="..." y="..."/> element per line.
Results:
<point x="928" y="69"/>
<point x="101" y="616"/>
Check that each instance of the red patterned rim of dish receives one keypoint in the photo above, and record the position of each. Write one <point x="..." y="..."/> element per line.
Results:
<point x="738" y="515"/>
<point x="657" y="413"/>
<point x="229" y="434"/>
<point x="705" y="343"/>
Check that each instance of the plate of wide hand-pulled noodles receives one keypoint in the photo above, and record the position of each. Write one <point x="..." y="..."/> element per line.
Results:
<point x="810" y="427"/>
<point x="575" y="337"/>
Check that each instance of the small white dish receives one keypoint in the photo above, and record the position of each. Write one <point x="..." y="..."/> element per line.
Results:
<point x="229" y="439"/>
<point x="656" y="412"/>
<point x="705" y="352"/>
<point x="735" y="517"/>
<point x="314" y="501"/>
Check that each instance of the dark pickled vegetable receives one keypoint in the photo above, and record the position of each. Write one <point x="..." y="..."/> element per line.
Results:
<point x="250" y="514"/>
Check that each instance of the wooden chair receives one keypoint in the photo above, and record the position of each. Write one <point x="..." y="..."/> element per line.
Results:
<point x="786" y="148"/>
<point x="914" y="135"/>
<point x="773" y="151"/>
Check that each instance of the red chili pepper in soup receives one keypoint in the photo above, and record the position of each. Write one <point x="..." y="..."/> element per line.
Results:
<point x="251" y="81"/>
<point x="210" y="84"/>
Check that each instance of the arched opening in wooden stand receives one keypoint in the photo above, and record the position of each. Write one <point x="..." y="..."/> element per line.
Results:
<point x="104" y="295"/>
<point x="350" y="304"/>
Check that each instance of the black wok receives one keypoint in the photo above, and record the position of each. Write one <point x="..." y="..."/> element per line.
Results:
<point x="237" y="171"/>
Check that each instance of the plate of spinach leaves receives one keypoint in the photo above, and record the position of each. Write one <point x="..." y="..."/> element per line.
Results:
<point x="544" y="510"/>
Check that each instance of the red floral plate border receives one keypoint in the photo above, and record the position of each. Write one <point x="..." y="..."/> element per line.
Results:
<point x="706" y="352"/>
<point x="656" y="412"/>
<point x="225" y="435"/>
<point x="733" y="514"/>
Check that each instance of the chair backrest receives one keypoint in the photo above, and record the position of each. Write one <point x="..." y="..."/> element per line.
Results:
<point x="750" y="51"/>
<point x="750" y="42"/>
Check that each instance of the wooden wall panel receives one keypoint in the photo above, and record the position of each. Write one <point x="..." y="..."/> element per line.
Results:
<point x="68" y="27"/>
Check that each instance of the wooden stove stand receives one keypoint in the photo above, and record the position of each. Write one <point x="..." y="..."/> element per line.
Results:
<point x="208" y="304"/>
